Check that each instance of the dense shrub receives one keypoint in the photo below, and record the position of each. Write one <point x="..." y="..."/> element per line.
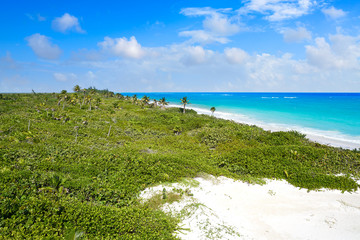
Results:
<point x="76" y="169"/>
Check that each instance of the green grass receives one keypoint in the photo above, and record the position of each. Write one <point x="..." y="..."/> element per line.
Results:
<point x="67" y="171"/>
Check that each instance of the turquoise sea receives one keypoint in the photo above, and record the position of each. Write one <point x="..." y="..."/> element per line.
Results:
<point x="332" y="118"/>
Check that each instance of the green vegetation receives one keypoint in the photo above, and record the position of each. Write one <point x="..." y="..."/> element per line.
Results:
<point x="74" y="164"/>
<point x="184" y="101"/>
<point x="212" y="109"/>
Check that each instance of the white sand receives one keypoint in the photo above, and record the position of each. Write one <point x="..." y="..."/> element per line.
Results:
<point x="222" y="208"/>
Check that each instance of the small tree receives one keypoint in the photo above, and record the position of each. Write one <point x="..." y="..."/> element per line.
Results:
<point x="98" y="102"/>
<point x="134" y="98"/>
<point x="145" y="99"/>
<point x="212" y="109"/>
<point x="77" y="88"/>
<point x="184" y="101"/>
<point x="84" y="91"/>
<point x="63" y="97"/>
<point x="163" y="102"/>
<point x="88" y="100"/>
<point x="90" y="97"/>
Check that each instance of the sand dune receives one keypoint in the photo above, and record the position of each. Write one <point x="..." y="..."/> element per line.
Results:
<point x="222" y="208"/>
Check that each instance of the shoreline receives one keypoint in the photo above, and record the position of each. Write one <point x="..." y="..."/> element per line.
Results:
<point x="319" y="136"/>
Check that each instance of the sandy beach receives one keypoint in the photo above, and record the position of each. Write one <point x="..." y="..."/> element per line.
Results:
<point x="222" y="208"/>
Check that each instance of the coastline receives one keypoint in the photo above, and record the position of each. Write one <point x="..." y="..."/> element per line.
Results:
<point x="329" y="138"/>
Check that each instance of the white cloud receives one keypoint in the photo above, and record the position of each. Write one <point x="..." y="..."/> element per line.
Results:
<point x="201" y="36"/>
<point x="8" y="62"/>
<point x="334" y="13"/>
<point x="67" y="23"/>
<point x="220" y="25"/>
<point x="42" y="46"/>
<point x="90" y="75"/>
<point x="123" y="47"/>
<point x="343" y="52"/>
<point x="194" y="55"/>
<point x="38" y="17"/>
<point x="296" y="35"/>
<point x="61" y="77"/>
<point x="235" y="55"/>
<point x="196" y="68"/>
<point x="217" y="25"/>
<point x="278" y="10"/>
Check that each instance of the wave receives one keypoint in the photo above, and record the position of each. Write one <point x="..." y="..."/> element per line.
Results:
<point x="290" y="97"/>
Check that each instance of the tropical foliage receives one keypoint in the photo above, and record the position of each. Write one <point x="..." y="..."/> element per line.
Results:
<point x="212" y="109"/>
<point x="70" y="171"/>
<point x="184" y="102"/>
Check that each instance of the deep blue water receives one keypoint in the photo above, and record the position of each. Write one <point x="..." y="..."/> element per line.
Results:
<point x="334" y="113"/>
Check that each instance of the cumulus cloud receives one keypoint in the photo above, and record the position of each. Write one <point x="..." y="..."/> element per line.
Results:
<point x="278" y="10"/>
<point x="197" y="68"/>
<point x="194" y="55"/>
<point x="235" y="55"/>
<point x="334" y="13"/>
<point x="42" y="46"/>
<point x="217" y="25"/>
<point x="67" y="23"/>
<point x="123" y="47"/>
<point x="296" y="35"/>
<point x="342" y="53"/>
<point x="61" y="77"/>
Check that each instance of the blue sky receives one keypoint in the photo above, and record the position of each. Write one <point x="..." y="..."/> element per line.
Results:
<point x="147" y="46"/>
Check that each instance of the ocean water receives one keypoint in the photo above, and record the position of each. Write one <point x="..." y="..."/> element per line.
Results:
<point x="330" y="118"/>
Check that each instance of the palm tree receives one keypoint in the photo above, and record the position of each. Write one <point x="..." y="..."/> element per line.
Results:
<point x="88" y="100"/>
<point x="163" y="102"/>
<point x="145" y="99"/>
<point x="134" y="98"/>
<point x="84" y="91"/>
<point x="155" y="102"/>
<point x="184" y="101"/>
<point x="120" y="96"/>
<point x="212" y="109"/>
<point x="92" y="91"/>
<point x="62" y="98"/>
<point x="77" y="88"/>
<point x="90" y="97"/>
<point x="106" y="93"/>
<point x="98" y="102"/>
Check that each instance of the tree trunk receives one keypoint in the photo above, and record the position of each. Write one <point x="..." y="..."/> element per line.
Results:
<point x="184" y="109"/>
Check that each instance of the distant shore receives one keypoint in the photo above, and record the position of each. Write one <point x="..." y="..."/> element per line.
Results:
<point x="315" y="136"/>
